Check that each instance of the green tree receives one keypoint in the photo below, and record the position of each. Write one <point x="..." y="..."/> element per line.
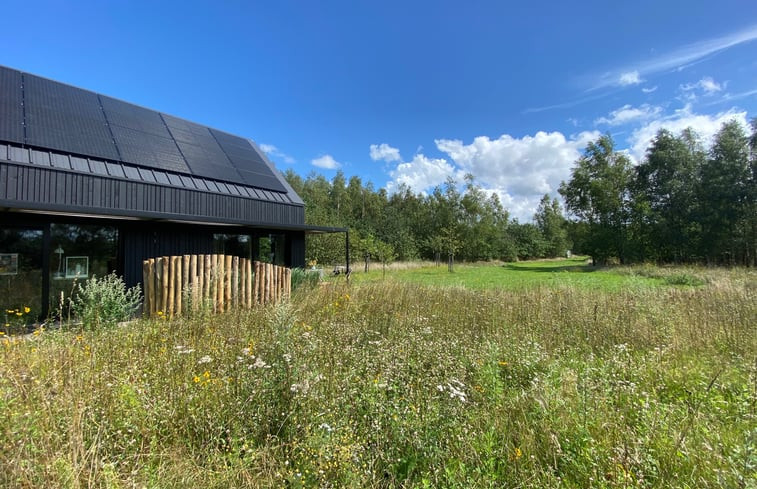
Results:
<point x="664" y="191"/>
<point x="598" y="193"/>
<point x="723" y="196"/>
<point x="552" y="225"/>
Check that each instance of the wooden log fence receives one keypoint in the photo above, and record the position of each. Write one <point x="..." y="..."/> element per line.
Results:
<point x="177" y="285"/>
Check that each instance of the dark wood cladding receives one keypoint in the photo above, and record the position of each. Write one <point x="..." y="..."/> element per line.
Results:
<point x="32" y="187"/>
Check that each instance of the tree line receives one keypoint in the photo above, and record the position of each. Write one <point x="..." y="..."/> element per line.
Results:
<point x="681" y="203"/>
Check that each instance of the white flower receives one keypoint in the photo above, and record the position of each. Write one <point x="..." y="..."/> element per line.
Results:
<point x="205" y="359"/>
<point x="327" y="427"/>
<point x="259" y="363"/>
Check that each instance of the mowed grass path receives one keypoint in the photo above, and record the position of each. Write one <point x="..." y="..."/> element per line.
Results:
<point x="517" y="276"/>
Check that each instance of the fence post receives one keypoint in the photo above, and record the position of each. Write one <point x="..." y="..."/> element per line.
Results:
<point x="164" y="264"/>
<point x="228" y="279"/>
<point x="248" y="289"/>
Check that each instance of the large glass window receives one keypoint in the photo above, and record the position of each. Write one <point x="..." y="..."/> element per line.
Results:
<point x="271" y="249"/>
<point x="78" y="252"/>
<point x="20" y="276"/>
<point x="233" y="244"/>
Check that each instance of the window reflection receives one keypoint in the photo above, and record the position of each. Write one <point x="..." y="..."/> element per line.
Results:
<point x="20" y="275"/>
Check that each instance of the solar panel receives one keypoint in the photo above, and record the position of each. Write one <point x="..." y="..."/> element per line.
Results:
<point x="248" y="162"/>
<point x="133" y="117"/>
<point x="65" y="118"/>
<point x="11" y="108"/>
<point x="146" y="149"/>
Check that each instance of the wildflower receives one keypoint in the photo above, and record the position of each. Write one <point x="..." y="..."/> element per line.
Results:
<point x="2" y="333"/>
<point x="205" y="359"/>
<point x="19" y="313"/>
<point x="27" y="309"/>
<point x="326" y="427"/>
<point x="259" y="363"/>
<point x="517" y="453"/>
<point x="196" y="379"/>
<point x="502" y="364"/>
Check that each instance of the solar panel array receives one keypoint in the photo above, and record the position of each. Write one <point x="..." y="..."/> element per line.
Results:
<point x="42" y="113"/>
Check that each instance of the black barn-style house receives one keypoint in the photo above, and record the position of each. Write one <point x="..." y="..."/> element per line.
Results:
<point x="90" y="184"/>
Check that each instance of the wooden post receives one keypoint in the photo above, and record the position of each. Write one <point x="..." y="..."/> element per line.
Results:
<point x="235" y="282"/>
<point x="288" y="283"/>
<point x="146" y="281"/>
<point x="185" y="277"/>
<point x="206" y="289"/>
<point x="164" y="264"/>
<point x="269" y="285"/>
<point x="220" y="290"/>
<point x="256" y="283"/>
<point x="178" y="284"/>
<point x="248" y="295"/>
<point x="228" y="261"/>
<point x="171" y="285"/>
<point x="194" y="278"/>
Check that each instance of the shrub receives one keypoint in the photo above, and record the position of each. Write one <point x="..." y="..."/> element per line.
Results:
<point x="105" y="301"/>
<point x="304" y="277"/>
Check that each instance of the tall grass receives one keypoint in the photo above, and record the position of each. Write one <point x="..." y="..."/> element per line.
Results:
<point x="395" y="385"/>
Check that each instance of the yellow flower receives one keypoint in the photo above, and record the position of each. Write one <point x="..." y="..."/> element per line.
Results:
<point x="27" y="309"/>
<point x="19" y="314"/>
<point x="196" y="379"/>
<point x="517" y="453"/>
<point x="502" y="364"/>
<point x="2" y="333"/>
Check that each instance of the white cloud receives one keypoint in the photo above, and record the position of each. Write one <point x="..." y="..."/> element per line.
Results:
<point x="627" y="114"/>
<point x="679" y="58"/>
<point x="274" y="152"/>
<point x="706" y="84"/>
<point x="327" y="162"/>
<point x="519" y="170"/>
<point x="649" y="90"/>
<point x="629" y="78"/>
<point x="385" y="152"/>
<point x="523" y="168"/>
<point x="421" y="173"/>
<point x="705" y="125"/>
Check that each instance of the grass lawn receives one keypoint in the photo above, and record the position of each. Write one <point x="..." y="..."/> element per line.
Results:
<point x="529" y="274"/>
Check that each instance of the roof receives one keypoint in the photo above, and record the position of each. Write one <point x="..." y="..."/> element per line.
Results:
<point x="68" y="150"/>
<point x="78" y="130"/>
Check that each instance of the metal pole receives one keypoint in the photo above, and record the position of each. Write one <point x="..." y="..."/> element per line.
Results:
<point x="347" y="250"/>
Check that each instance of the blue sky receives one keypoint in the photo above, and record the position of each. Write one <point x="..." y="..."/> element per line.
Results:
<point x="409" y="92"/>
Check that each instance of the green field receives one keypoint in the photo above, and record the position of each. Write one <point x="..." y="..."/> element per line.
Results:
<point x="534" y="375"/>
<point x="543" y="273"/>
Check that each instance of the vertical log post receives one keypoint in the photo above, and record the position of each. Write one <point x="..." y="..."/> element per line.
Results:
<point x="193" y="281"/>
<point x="248" y="295"/>
<point x="235" y="282"/>
<point x="227" y="265"/>
<point x="164" y="264"/>
<point x="206" y="289"/>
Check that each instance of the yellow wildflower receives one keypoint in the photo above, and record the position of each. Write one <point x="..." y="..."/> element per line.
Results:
<point x="27" y="309"/>
<point x="517" y="453"/>
<point x="502" y="364"/>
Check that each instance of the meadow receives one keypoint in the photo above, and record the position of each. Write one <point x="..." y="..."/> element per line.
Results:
<point x="535" y="375"/>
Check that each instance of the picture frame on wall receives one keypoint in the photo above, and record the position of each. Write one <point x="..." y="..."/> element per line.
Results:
<point x="8" y="263"/>
<point x="77" y="266"/>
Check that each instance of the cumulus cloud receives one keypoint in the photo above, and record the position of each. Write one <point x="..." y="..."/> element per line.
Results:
<point x="628" y="113"/>
<point x="705" y="125"/>
<point x="629" y="78"/>
<point x="327" y="162"/>
<point x="421" y="173"/>
<point x="519" y="170"/>
<point x="384" y="152"/>
<point x="274" y="152"/>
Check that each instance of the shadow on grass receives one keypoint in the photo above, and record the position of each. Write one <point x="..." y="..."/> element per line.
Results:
<point x="551" y="267"/>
